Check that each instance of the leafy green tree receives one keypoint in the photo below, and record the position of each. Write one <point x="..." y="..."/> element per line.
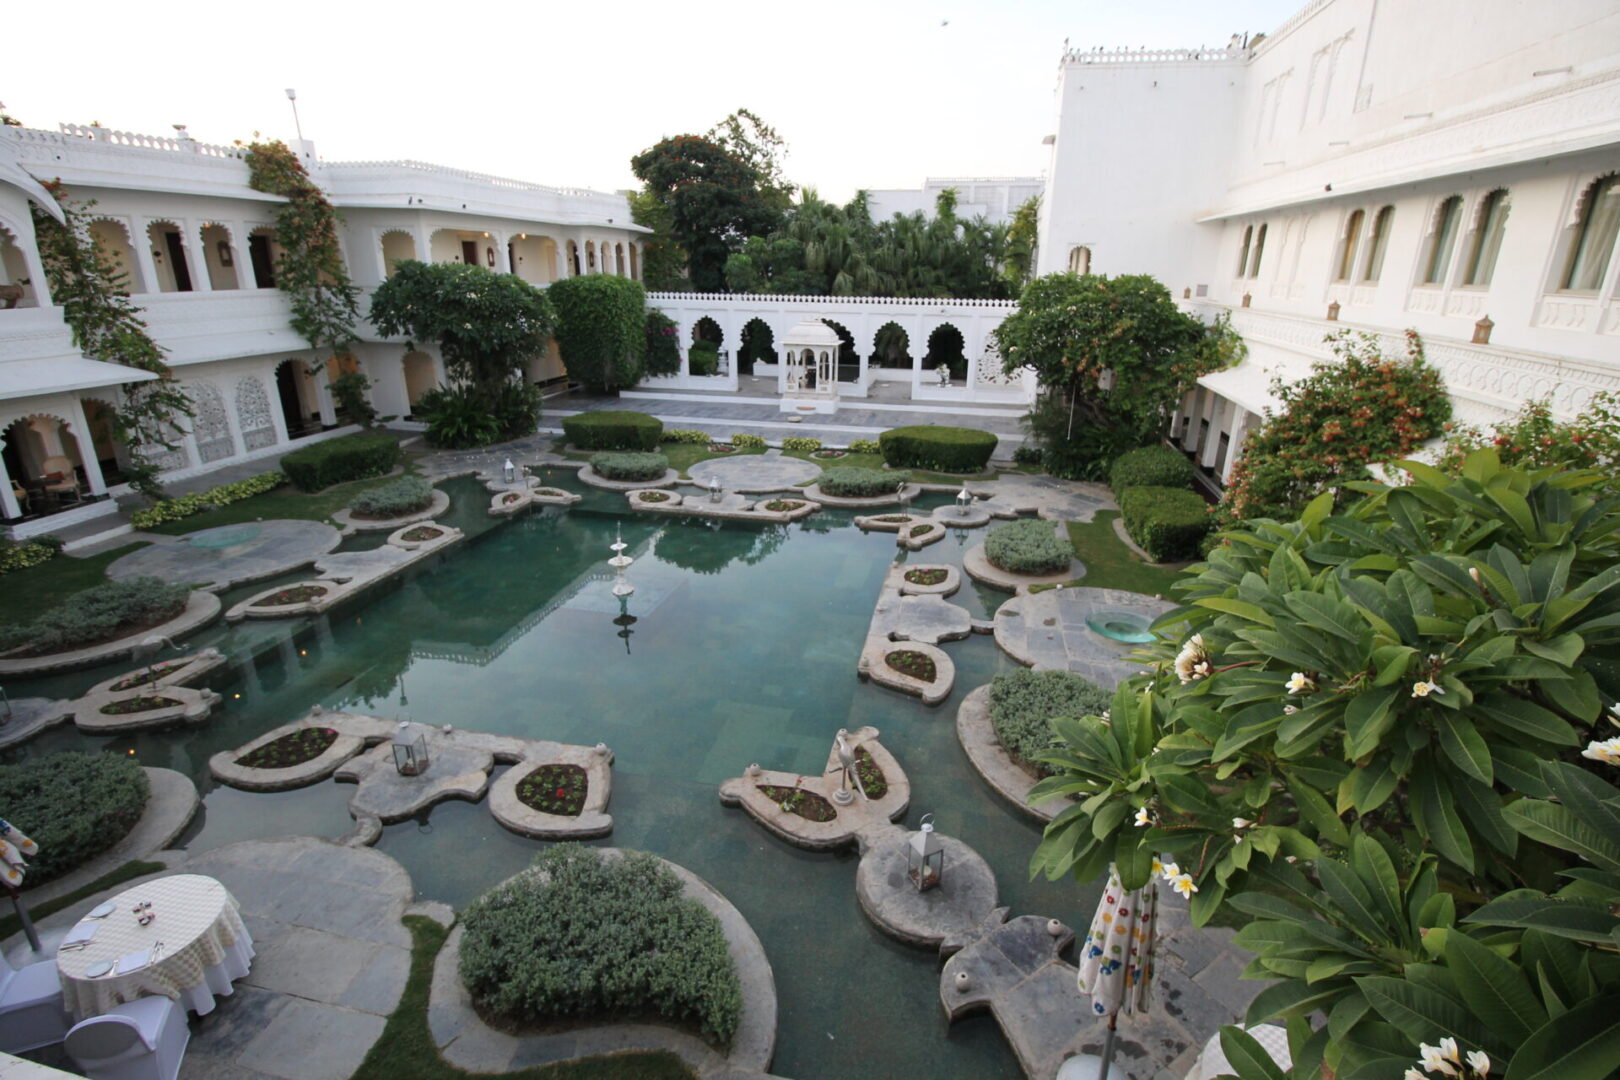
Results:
<point x="756" y="144"/>
<point x="602" y="329"/>
<point x="487" y="326"/>
<point x="1364" y="730"/>
<point x="1018" y="261"/>
<point x="715" y="202"/>
<point x="1113" y="356"/>
<point x="663" y="260"/>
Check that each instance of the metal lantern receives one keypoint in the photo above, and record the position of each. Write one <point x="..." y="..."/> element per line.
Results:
<point x="925" y="856"/>
<point x="963" y="501"/>
<point x="510" y="471"/>
<point x="714" y="489"/>
<point x="410" y="749"/>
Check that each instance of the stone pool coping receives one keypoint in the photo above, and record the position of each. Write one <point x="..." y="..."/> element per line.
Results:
<point x="980" y="569"/>
<point x="932" y="533"/>
<point x="903" y="496"/>
<point x="341" y="587"/>
<point x="991" y="761"/>
<point x="732" y="506"/>
<point x="860" y="815"/>
<point x="592" y="820"/>
<point x="874" y="666"/>
<point x="588" y="475"/>
<point x="465" y="1041"/>
<point x="225" y="769"/>
<point x="949" y="587"/>
<point x="193" y="706"/>
<point x="202" y="607"/>
<point x="191" y="668"/>
<point x="170" y="806"/>
<point x="945" y="916"/>
<point x="350" y="524"/>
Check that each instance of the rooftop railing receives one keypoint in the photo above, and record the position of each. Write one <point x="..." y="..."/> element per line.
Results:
<point x="459" y="174"/>
<point x="1145" y="55"/>
<point x="129" y="138"/>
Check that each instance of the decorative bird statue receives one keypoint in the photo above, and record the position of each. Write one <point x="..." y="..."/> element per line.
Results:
<point x="149" y="647"/>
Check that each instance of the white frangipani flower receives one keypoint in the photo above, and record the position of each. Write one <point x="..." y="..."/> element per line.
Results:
<point x="1241" y="823"/>
<point x="1192" y="662"/>
<point x="1434" y="1060"/>
<point x="1480" y="1062"/>
<point x="1143" y="818"/>
<point x="1448" y="1047"/>
<point x="1300" y="683"/>
<point x="1425" y="688"/>
<point x="1607" y="751"/>
<point x="1183" y="884"/>
<point x="1413" y="1074"/>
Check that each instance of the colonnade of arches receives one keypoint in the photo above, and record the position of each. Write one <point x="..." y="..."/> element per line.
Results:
<point x="537" y="258"/>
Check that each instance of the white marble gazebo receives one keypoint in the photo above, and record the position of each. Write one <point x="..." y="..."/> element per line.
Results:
<point x="810" y="367"/>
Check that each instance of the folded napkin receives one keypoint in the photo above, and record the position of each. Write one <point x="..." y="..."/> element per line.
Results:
<point x="82" y="932"/>
<point x="133" y="961"/>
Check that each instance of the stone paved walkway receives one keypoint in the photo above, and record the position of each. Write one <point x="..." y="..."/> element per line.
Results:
<point x="229" y="555"/>
<point x="1049" y="632"/>
<point x="1049" y="497"/>
<point x="755" y="474"/>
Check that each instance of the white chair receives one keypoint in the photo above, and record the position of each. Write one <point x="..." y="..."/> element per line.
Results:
<point x="31" y="1010"/>
<point x="142" y="1040"/>
<point x="1212" y="1062"/>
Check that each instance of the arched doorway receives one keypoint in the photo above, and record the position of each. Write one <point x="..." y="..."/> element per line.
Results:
<point x="15" y="277"/>
<point x="849" y="358"/>
<point x="703" y="358"/>
<point x="420" y="377"/>
<point x="757" y="346"/>
<point x="169" y="256"/>
<point x="299" y="404"/>
<point x="945" y="346"/>
<point x="264" y="252"/>
<point x="112" y="244"/>
<point x="219" y="256"/>
<point x="43" y="459"/>
<point x="891" y="347"/>
<point x="101" y="418"/>
<point x="397" y="246"/>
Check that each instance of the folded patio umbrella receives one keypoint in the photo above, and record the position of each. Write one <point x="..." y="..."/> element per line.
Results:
<point x="1116" y="962"/>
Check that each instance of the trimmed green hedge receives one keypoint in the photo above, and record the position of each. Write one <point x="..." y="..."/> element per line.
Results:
<point x="586" y="935"/>
<point x="99" y="614"/>
<point x="801" y="443"/>
<point x="396" y="498"/>
<point x="337" y="461"/>
<point x="853" y="483"/>
<point x="1023" y="704"/>
<point x="601" y="329"/>
<point x="865" y="446"/>
<point x="945" y="449"/>
<point x="625" y="466"/>
<point x="744" y="441"/>
<point x="1169" y="523"/>
<point x="614" y="429"/>
<point x="1027" y="547"/>
<point x="187" y="505"/>
<point x="687" y="435"/>
<point x="1151" y="466"/>
<point x="73" y="805"/>
<point x="15" y="556"/>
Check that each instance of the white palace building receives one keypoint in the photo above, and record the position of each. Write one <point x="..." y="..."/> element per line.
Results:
<point x="1447" y="165"/>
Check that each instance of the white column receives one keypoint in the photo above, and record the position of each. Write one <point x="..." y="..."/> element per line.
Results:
<point x="278" y="419"/>
<point x="87" y="449"/>
<point x="1240" y="431"/>
<point x="503" y="252"/>
<point x="196" y="258"/>
<point x="1193" y="407"/>
<point x="559" y="253"/>
<point x="1219" y="407"/>
<point x="974" y="348"/>
<point x="424" y="243"/>
<point x="8" y="498"/>
<point x="242" y="257"/>
<point x="323" y="398"/>
<point x="143" y="258"/>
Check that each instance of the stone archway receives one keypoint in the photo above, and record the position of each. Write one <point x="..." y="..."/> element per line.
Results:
<point x="757" y="346"/>
<point x="112" y="241"/>
<point x="398" y="246"/>
<point x="947" y="346"/>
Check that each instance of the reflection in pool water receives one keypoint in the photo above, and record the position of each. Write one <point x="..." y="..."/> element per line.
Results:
<point x="743" y="649"/>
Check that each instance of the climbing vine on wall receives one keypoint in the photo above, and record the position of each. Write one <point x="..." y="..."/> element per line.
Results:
<point x="325" y="303"/>
<point x="106" y="326"/>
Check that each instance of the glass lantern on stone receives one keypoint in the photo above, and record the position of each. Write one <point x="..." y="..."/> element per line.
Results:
<point x="410" y="749"/>
<point x="925" y="856"/>
<point x="963" y="501"/>
<point x="509" y="471"/>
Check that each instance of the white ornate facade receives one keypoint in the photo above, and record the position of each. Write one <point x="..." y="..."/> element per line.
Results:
<point x="1400" y="163"/>
<point x="198" y="246"/>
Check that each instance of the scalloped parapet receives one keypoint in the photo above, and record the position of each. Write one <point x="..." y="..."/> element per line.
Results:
<point x="858" y="815"/>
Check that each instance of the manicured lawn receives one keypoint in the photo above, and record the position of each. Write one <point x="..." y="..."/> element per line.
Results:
<point x="1112" y="565"/>
<point x="406" y="1050"/>
<point x="27" y="592"/>
<point x="10" y="924"/>
<point x="284" y="502"/>
<point x="682" y="456"/>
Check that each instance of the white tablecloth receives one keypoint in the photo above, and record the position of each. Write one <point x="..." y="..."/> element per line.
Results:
<point x="201" y="945"/>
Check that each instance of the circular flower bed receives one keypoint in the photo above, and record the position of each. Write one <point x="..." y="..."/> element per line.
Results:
<point x="554" y="789"/>
<point x="722" y="448"/>
<point x="780" y="506"/>
<point x="919" y="530"/>
<point x="139" y="704"/>
<point x="421" y="533"/>
<point x="298" y="594"/>
<point x="910" y="662"/>
<point x="829" y="453"/>
<point x="550" y="493"/>
<point x="794" y="800"/>
<point x="293" y="748"/>
<point x="926" y="577"/>
<point x="873" y="782"/>
<point x="895" y="519"/>
<point x="653" y="497"/>
<point x="150" y="675"/>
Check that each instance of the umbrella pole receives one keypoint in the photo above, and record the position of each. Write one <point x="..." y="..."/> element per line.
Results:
<point x="1108" y="1047"/>
<point x="22" y="916"/>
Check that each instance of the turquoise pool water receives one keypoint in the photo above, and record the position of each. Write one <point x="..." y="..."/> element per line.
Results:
<point x="743" y="650"/>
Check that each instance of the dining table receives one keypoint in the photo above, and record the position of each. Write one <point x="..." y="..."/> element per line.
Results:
<point x="180" y="937"/>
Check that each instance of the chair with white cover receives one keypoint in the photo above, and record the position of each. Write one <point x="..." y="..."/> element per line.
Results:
<point x="31" y="1010"/>
<point x="141" y="1040"/>
<point x="61" y="482"/>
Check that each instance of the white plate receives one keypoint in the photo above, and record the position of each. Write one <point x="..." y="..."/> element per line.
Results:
<point x="99" y="968"/>
<point x="101" y="911"/>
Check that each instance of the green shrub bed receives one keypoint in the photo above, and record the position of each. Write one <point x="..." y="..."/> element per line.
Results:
<point x="587" y="936"/>
<point x="73" y="805"/>
<point x="337" y="461"/>
<point x="187" y="505"/>
<point x="943" y="449"/>
<point x="395" y="499"/>
<point x="851" y="483"/>
<point x="744" y="441"/>
<point x="800" y="443"/>
<point x="1024" y="703"/>
<point x="103" y="613"/>
<point x="422" y="533"/>
<point x="1027" y="547"/>
<point x="1168" y="523"/>
<point x="143" y="703"/>
<point x="294" y="748"/>
<point x="782" y="506"/>
<point x="620" y="466"/>
<point x="932" y="576"/>
<point x="873" y="782"/>
<point x="17" y="556"/>
<point x="1151" y="466"/>
<point x="865" y="446"/>
<point x="298" y="594"/>
<point x="614" y="429"/>
<point x="686" y="435"/>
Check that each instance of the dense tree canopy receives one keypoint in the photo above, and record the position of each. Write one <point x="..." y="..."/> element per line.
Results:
<point x="714" y="201"/>
<point x="602" y="329"/>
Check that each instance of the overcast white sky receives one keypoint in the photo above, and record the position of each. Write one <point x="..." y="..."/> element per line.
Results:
<point x="870" y="94"/>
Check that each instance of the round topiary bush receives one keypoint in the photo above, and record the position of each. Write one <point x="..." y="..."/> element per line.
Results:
<point x="614" y="429"/>
<point x="945" y="449"/>
<point x="630" y="466"/>
<point x="1151" y="466"/>
<point x="1023" y="704"/>
<point x="394" y="499"/>
<point x="73" y="805"/>
<point x="1169" y="523"/>
<point x="1027" y="547"/>
<point x="581" y="934"/>
<point x="853" y="483"/>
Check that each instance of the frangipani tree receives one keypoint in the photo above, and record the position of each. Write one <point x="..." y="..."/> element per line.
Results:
<point x="1365" y="731"/>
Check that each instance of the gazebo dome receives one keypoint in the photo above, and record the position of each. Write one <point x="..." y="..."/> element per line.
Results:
<point x="813" y="333"/>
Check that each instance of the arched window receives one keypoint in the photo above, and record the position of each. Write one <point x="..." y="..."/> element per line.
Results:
<point x="1347" y="252"/>
<point x="1374" y="266"/>
<point x="1594" y="235"/>
<point x="1080" y="260"/>
<point x="1442" y="240"/>
<point x="1493" y="213"/>
<point x="1259" y="250"/>
<point x="1243" y="252"/>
